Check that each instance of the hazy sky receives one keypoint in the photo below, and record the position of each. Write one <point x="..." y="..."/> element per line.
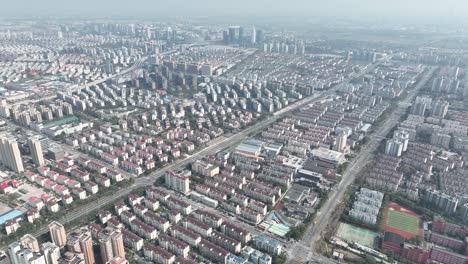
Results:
<point x="341" y="8"/>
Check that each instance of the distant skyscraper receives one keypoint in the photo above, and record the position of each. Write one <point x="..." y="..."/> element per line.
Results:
<point x="232" y="35"/>
<point x="148" y="33"/>
<point x="241" y="35"/>
<point x="169" y="34"/>
<point x="111" y="244"/>
<point x="10" y="155"/>
<point x="131" y="29"/>
<point x="253" y="38"/>
<point x="57" y="234"/>
<point x="226" y="37"/>
<point x="260" y="36"/>
<point x="36" y="151"/>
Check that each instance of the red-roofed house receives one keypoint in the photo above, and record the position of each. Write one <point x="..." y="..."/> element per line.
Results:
<point x="91" y="187"/>
<point x="61" y="190"/>
<point x="102" y="180"/>
<point x="175" y="152"/>
<point x="35" y="202"/>
<point x="53" y="175"/>
<point x="149" y="164"/>
<point x="73" y="184"/>
<point x="12" y="225"/>
<point x="62" y="179"/>
<point x="109" y="158"/>
<point x="31" y="176"/>
<point x="49" y="184"/>
<point x="158" y="141"/>
<point x="45" y="197"/>
<point x="115" y="175"/>
<point x="32" y="214"/>
<point x="162" y="157"/>
<point x="41" y="181"/>
<point x="52" y="205"/>
<point x="80" y="175"/>
<point x="43" y="170"/>
<point x="97" y="167"/>
<point x="16" y="184"/>
<point x="6" y="188"/>
<point x="80" y="193"/>
<point x="67" y="199"/>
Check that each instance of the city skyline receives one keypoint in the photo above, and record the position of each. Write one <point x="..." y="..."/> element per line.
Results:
<point x="248" y="132"/>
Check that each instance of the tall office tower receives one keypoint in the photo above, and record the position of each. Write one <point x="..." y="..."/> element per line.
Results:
<point x="232" y="35"/>
<point x="37" y="117"/>
<point x="51" y="253"/>
<point x="402" y="136"/>
<point x="13" y="249"/>
<point x="111" y="244"/>
<point x="418" y="109"/>
<point x="25" y="119"/>
<point x="4" y="108"/>
<point x="341" y="142"/>
<point x="48" y="114"/>
<point x="67" y="109"/>
<point x="29" y="241"/>
<point x="81" y="242"/>
<point x="241" y="35"/>
<point x="36" y="151"/>
<point x="420" y="105"/>
<point x="226" y="37"/>
<point x="253" y="38"/>
<point x="109" y="66"/>
<point x="86" y="244"/>
<point x="260" y="36"/>
<point x="57" y="233"/>
<point x="10" y="155"/>
<point x="440" y="108"/>
<point x="58" y="112"/>
<point x="148" y="33"/>
<point x="394" y="148"/>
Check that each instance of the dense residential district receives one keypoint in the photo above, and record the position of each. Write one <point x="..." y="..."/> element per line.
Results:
<point x="169" y="142"/>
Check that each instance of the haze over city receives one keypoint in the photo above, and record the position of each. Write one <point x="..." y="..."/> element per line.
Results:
<point x="412" y="10"/>
<point x="233" y="132"/>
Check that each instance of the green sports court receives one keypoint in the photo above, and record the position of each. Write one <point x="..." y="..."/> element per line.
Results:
<point x="356" y="234"/>
<point x="403" y="221"/>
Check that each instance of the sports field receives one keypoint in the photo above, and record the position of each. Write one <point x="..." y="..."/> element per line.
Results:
<point x="356" y="234"/>
<point x="402" y="221"/>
